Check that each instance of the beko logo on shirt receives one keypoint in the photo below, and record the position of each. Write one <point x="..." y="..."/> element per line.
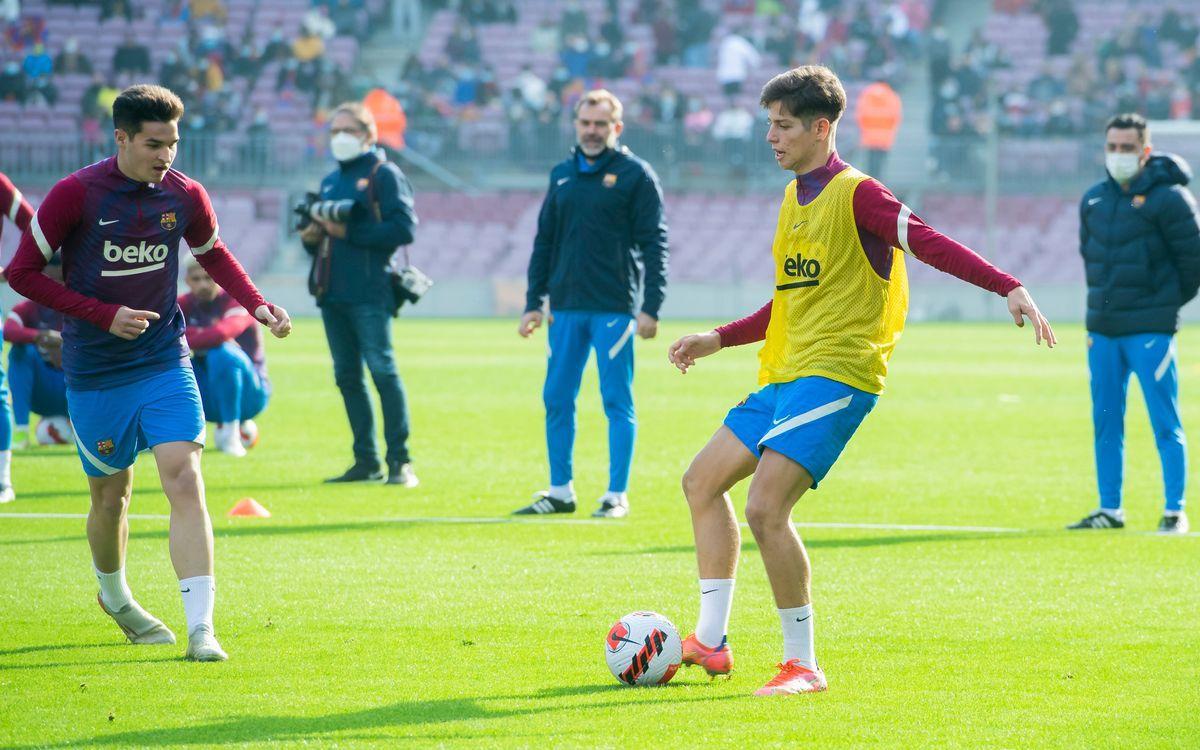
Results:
<point x="154" y="256"/>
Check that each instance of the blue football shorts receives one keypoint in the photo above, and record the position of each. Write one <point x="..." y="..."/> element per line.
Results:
<point x="113" y="424"/>
<point x="809" y="420"/>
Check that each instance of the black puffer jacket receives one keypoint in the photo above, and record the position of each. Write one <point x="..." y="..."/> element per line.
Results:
<point x="1141" y="249"/>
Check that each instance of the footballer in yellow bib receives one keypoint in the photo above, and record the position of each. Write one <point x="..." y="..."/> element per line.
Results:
<point x="837" y="310"/>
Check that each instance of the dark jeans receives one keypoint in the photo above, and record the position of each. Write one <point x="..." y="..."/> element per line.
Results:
<point x="359" y="333"/>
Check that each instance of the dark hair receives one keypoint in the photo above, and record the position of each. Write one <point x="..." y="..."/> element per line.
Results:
<point x="806" y="93"/>
<point x="145" y="103"/>
<point x="1127" y="120"/>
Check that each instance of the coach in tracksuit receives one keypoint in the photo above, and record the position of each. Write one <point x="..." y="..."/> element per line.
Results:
<point x="1140" y="239"/>
<point x="600" y="231"/>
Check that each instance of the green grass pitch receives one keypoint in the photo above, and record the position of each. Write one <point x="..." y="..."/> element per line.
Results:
<point x="375" y="616"/>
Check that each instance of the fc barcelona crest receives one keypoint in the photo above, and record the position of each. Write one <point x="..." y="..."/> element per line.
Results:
<point x="104" y="447"/>
<point x="1138" y="201"/>
<point x="167" y="221"/>
<point x="610" y="179"/>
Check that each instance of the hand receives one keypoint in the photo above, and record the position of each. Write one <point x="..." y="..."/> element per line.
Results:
<point x="312" y="234"/>
<point x="48" y="339"/>
<point x="530" y="322"/>
<point x="1022" y="306"/>
<point x="684" y="352"/>
<point x="647" y="325"/>
<point x="129" y="323"/>
<point x="276" y="319"/>
<point x="332" y="228"/>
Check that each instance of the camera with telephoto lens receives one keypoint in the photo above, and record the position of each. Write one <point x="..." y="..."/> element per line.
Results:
<point x="312" y="207"/>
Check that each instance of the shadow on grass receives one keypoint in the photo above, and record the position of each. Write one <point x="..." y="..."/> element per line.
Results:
<point x="88" y="663"/>
<point x="52" y="647"/>
<point x="432" y="713"/>
<point x="873" y="539"/>
<point x="234" y="531"/>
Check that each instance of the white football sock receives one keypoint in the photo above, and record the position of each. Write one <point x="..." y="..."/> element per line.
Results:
<point x="229" y="438"/>
<point x="797" y="625"/>
<point x="716" y="601"/>
<point x="199" y="593"/>
<point x="563" y="491"/>
<point x="114" y="591"/>
<point x="5" y="468"/>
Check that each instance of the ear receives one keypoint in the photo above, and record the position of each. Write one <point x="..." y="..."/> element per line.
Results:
<point x="618" y="127"/>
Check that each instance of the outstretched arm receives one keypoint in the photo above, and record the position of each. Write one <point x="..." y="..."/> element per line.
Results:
<point x="880" y="214"/>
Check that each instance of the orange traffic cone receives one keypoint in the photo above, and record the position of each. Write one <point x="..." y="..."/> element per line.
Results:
<point x="248" y="506"/>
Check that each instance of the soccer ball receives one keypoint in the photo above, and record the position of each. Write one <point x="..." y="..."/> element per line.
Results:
<point x="643" y="648"/>
<point x="248" y="431"/>
<point x="54" y="431"/>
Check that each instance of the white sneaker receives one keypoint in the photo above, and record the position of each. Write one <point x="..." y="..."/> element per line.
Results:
<point x="203" y="646"/>
<point x="612" y="506"/>
<point x="138" y="625"/>
<point x="402" y="474"/>
<point x="6" y="494"/>
<point x="228" y="437"/>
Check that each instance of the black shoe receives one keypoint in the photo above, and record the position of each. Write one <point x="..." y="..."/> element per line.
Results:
<point x="359" y="473"/>
<point x="402" y="474"/>
<point x="1099" y="520"/>
<point x="544" y="504"/>
<point x="1173" y="523"/>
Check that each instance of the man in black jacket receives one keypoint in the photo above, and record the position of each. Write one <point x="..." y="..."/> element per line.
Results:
<point x="600" y="231"/>
<point x="353" y="287"/>
<point x="1139" y="234"/>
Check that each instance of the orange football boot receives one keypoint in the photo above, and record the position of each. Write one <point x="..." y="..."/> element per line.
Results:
<point x="794" y="678"/>
<point x="716" y="661"/>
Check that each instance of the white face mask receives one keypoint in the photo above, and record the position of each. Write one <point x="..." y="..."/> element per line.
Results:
<point x="345" y="147"/>
<point x="1122" y="167"/>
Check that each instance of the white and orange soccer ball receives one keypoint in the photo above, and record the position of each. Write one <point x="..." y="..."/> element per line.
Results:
<point x="54" y="431"/>
<point x="248" y="432"/>
<point x="643" y="648"/>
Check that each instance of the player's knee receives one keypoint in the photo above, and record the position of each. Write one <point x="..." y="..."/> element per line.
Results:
<point x="764" y="517"/>
<point x="113" y="504"/>
<point x="697" y="487"/>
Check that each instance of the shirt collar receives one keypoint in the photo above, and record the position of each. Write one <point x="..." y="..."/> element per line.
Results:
<point x="810" y="184"/>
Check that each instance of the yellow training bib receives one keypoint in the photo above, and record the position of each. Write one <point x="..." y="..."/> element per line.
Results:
<point x="832" y="314"/>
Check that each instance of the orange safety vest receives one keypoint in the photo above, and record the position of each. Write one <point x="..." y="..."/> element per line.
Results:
<point x="389" y="117"/>
<point x="878" y="115"/>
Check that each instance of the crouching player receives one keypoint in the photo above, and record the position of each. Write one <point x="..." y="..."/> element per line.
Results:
<point x="130" y="384"/>
<point x="228" y="358"/>
<point x="35" y="373"/>
<point x="841" y="296"/>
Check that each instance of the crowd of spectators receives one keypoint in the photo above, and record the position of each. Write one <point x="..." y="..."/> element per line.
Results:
<point x="213" y="71"/>
<point x="1149" y="64"/>
<point x="734" y="39"/>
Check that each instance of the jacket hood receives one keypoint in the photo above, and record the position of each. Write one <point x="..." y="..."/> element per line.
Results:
<point x="1165" y="168"/>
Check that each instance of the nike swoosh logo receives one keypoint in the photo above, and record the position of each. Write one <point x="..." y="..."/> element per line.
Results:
<point x="778" y="421"/>
<point x="610" y="323"/>
<point x="563" y="180"/>
<point x="1148" y="344"/>
<point x="802" y="619"/>
<point x="1094" y="201"/>
<point x="104" y="223"/>
<point x="702" y="593"/>
<point x="184" y="591"/>
<point x="797" y="224"/>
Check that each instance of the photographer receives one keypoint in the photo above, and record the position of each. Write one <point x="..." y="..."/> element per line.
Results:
<point x="363" y="213"/>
